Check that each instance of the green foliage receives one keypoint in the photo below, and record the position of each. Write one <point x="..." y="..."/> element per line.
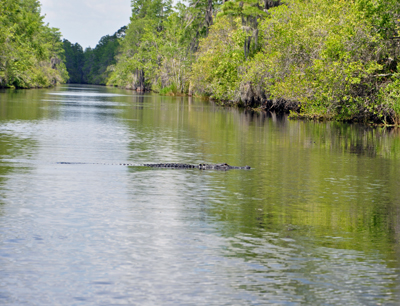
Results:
<point x="215" y="73"/>
<point x="140" y="49"/>
<point x="240" y="8"/>
<point x="157" y="51"/>
<point x="324" y="54"/>
<point x="337" y="59"/>
<point x="31" y="53"/>
<point x="383" y="15"/>
<point x="169" y="90"/>
<point x="389" y="101"/>
<point x="98" y="59"/>
<point x="91" y="66"/>
<point x="74" y="61"/>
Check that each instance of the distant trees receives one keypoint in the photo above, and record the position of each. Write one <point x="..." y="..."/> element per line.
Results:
<point x="74" y="61"/>
<point x="90" y="66"/>
<point x="31" y="53"/>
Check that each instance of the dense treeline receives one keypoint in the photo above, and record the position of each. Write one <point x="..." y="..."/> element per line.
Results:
<point x="89" y="66"/>
<point x="330" y="59"/>
<point x="321" y="58"/>
<point x="160" y="44"/>
<point x="31" y="53"/>
<point x="75" y="59"/>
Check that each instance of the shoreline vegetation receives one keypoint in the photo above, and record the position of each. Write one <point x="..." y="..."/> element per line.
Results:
<point x="315" y="59"/>
<point x="31" y="53"/>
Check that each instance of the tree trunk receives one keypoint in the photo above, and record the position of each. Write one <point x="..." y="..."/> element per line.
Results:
<point x="208" y="17"/>
<point x="255" y="32"/>
<point x="139" y="84"/>
<point x="247" y="43"/>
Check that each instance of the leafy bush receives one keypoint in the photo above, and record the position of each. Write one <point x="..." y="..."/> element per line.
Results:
<point x="31" y="53"/>
<point x="324" y="54"/>
<point x="389" y="98"/>
<point x="170" y="90"/>
<point x="217" y="69"/>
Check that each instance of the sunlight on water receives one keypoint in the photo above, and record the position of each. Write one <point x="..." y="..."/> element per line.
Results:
<point x="316" y="221"/>
<point x="85" y="94"/>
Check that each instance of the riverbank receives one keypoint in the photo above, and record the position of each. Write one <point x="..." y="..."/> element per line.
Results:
<point x="294" y="109"/>
<point x="319" y="59"/>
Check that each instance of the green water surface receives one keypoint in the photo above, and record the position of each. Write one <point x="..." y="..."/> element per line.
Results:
<point x="316" y="221"/>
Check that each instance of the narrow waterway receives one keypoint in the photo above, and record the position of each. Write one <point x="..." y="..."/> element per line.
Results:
<point x="316" y="221"/>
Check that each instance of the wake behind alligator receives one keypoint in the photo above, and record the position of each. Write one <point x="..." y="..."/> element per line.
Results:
<point x="223" y="166"/>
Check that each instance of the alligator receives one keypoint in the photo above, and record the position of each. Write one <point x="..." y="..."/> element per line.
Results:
<point x="223" y="166"/>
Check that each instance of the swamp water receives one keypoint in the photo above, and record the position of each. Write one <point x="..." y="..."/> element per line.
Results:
<point x="315" y="222"/>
